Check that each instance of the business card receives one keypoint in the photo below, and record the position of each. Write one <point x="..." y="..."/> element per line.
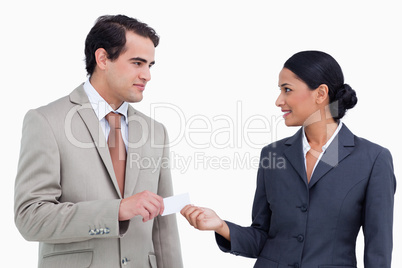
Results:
<point x="174" y="204"/>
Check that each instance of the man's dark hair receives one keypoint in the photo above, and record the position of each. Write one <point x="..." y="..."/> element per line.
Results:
<point x="109" y="33"/>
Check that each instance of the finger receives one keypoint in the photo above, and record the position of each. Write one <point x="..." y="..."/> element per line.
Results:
<point x="162" y="205"/>
<point x="144" y="214"/>
<point x="156" y="201"/>
<point x="188" y="212"/>
<point x="153" y="208"/>
<point x="194" y="218"/>
<point x="148" y="204"/>
<point x="200" y="220"/>
<point x="185" y="209"/>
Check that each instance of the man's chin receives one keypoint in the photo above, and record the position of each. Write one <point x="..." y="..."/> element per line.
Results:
<point x="136" y="98"/>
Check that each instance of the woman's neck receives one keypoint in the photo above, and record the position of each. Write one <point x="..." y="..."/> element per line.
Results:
<point x="320" y="132"/>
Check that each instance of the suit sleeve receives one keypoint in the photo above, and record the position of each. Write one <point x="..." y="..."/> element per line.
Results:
<point x="165" y="233"/>
<point x="378" y="213"/>
<point x="249" y="241"/>
<point x="39" y="216"/>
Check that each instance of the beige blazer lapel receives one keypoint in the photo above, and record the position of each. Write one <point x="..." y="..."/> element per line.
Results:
<point x="88" y="115"/>
<point x="137" y="129"/>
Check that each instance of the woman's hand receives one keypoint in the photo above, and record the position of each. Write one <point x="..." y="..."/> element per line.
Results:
<point x="205" y="219"/>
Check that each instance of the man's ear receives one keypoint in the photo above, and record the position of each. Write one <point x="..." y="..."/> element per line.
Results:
<point x="322" y="94"/>
<point x="101" y="58"/>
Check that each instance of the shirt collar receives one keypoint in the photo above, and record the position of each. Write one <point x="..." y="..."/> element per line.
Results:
<point x="100" y="106"/>
<point x="307" y="147"/>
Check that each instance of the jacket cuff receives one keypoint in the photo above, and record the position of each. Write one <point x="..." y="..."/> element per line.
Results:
<point x="223" y="244"/>
<point x="123" y="227"/>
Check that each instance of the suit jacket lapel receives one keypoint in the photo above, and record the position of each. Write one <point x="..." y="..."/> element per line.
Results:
<point x="294" y="154"/>
<point x="78" y="96"/>
<point x="339" y="149"/>
<point x="136" y="128"/>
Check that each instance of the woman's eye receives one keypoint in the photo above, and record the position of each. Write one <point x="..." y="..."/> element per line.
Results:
<point x="287" y="89"/>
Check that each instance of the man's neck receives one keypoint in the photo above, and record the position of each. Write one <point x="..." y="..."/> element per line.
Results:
<point x="101" y="86"/>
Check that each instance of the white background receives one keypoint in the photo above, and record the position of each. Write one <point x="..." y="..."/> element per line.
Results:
<point x="214" y="58"/>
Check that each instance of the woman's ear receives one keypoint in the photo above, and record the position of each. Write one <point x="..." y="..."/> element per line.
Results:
<point x="101" y="58"/>
<point x="322" y="94"/>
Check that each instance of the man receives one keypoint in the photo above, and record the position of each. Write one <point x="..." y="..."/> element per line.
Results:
<point x="82" y="189"/>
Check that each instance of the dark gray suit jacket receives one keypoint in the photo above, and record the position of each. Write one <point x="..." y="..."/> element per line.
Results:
<point x="315" y="225"/>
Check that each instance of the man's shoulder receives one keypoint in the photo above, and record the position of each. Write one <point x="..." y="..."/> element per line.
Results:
<point x="55" y="107"/>
<point x="54" y="112"/>
<point x="60" y="106"/>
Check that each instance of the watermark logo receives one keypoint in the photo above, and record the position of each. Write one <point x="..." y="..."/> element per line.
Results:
<point x="233" y="131"/>
<point x="198" y="131"/>
<point x="219" y="131"/>
<point x="201" y="160"/>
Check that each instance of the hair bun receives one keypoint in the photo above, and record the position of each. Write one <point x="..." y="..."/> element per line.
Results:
<point x="346" y="99"/>
<point x="347" y="96"/>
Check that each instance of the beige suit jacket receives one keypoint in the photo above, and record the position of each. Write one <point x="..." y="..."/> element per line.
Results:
<point x="67" y="197"/>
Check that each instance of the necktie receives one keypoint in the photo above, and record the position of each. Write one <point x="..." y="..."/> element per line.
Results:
<point x="117" y="149"/>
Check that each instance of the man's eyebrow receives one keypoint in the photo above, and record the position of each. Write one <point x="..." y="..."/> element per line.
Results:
<point x="142" y="60"/>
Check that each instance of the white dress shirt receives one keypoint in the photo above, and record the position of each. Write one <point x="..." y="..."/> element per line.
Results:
<point x="102" y="108"/>
<point x="307" y="147"/>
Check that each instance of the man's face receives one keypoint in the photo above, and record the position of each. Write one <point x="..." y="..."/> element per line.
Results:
<point x="127" y="76"/>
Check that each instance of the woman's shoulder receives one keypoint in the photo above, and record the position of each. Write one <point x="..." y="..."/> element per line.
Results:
<point x="369" y="149"/>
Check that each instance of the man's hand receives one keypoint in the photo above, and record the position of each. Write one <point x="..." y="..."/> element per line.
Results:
<point x="146" y="204"/>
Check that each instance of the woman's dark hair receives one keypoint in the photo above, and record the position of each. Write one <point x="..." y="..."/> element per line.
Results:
<point x="109" y="33"/>
<point x="316" y="68"/>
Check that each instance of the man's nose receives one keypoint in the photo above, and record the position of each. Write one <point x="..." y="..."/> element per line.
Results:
<point x="145" y="74"/>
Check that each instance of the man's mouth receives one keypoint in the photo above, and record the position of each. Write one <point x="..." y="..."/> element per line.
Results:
<point x="141" y="87"/>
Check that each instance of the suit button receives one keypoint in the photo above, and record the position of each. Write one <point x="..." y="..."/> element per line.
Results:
<point x="300" y="238"/>
<point x="124" y="261"/>
<point x="303" y="208"/>
<point x="296" y="265"/>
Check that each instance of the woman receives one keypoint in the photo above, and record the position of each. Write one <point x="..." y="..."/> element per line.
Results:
<point x="308" y="213"/>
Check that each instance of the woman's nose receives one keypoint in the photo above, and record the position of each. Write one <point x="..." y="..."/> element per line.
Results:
<point x="280" y="100"/>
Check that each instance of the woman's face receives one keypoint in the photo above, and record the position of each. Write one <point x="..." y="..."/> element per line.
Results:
<point x="296" y="100"/>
